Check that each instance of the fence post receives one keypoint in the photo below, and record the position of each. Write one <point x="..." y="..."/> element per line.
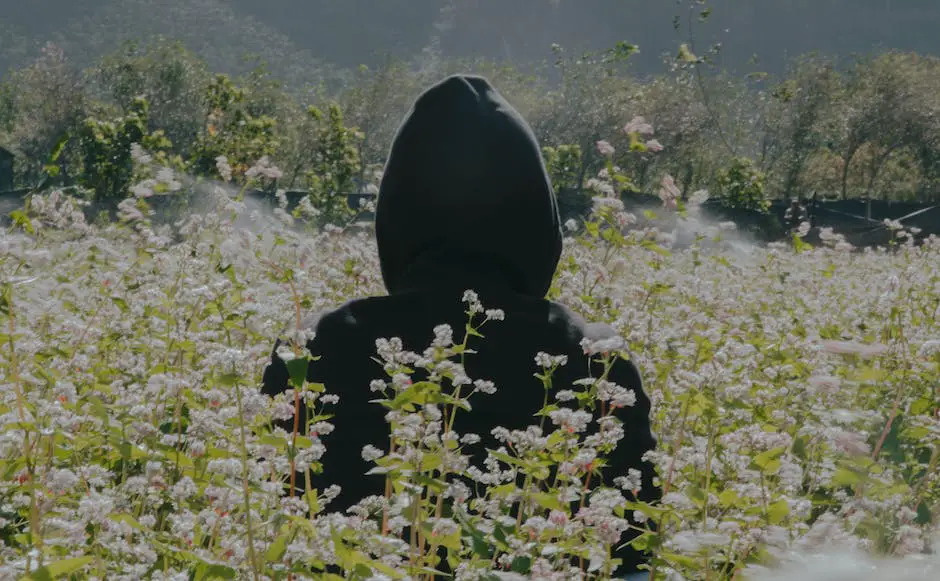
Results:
<point x="6" y="170"/>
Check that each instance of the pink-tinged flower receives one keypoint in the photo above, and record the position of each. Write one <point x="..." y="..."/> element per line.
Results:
<point x="638" y="125"/>
<point x="224" y="168"/>
<point x="854" y="348"/>
<point x="929" y="348"/>
<point x="669" y="192"/>
<point x="824" y="382"/>
<point x="654" y="145"/>
<point x="264" y="168"/>
<point x="605" y="148"/>
<point x="851" y="443"/>
<point x="698" y="198"/>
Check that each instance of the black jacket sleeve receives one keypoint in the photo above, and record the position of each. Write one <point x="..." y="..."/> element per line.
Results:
<point x="638" y="439"/>
<point x="276" y="379"/>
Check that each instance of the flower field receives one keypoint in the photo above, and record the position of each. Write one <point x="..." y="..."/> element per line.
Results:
<point x="796" y="401"/>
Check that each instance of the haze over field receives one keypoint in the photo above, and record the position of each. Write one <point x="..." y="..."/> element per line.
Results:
<point x="298" y="33"/>
<point x="706" y="342"/>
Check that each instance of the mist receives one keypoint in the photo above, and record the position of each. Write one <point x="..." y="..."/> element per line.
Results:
<point x="296" y="37"/>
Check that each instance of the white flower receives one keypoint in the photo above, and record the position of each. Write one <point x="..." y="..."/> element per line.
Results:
<point x="854" y="348"/>
<point x="698" y="198"/>
<point x="139" y="155"/>
<point x="547" y="361"/>
<point x="443" y="336"/>
<point x="605" y="148"/>
<point x="473" y="301"/>
<point x="286" y="353"/>
<point x="469" y="439"/>
<point x="929" y="348"/>
<point x="638" y="125"/>
<point x="223" y="167"/>
<point x="371" y="453"/>
<point x="495" y="314"/>
<point x="669" y="192"/>
<point x="484" y="386"/>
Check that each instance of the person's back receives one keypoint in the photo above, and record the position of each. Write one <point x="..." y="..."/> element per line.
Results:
<point x="464" y="204"/>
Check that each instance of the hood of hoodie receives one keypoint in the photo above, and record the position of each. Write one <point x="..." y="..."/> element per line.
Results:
<point x="465" y="196"/>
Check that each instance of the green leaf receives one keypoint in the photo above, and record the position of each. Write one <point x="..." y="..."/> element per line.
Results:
<point x="778" y="511"/>
<point x="58" y="569"/>
<point x="686" y="55"/>
<point x="213" y="571"/>
<point x="22" y="220"/>
<point x="128" y="519"/>
<point x="549" y="501"/>
<point x="728" y="498"/>
<point x="764" y="459"/>
<point x="227" y="379"/>
<point x="521" y="564"/>
<point x="278" y="547"/>
<point x="799" y="447"/>
<point x="921" y="406"/>
<point x="846" y="477"/>
<point x="297" y="368"/>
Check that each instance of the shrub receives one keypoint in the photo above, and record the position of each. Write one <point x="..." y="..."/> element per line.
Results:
<point x="741" y="186"/>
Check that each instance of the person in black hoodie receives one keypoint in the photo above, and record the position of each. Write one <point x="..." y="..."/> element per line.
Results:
<point x="465" y="203"/>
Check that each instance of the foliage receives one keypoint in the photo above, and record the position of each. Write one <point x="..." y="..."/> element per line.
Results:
<point x="45" y="103"/>
<point x="865" y="127"/>
<point x="231" y="131"/>
<point x="335" y="166"/>
<point x="107" y="150"/>
<point x="375" y="100"/>
<point x="801" y="108"/>
<point x="794" y="399"/>
<point x="563" y="164"/>
<point x="170" y="78"/>
<point x="794" y="392"/>
<point x="741" y="185"/>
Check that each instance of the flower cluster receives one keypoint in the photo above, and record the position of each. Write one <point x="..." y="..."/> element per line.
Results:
<point x="794" y="400"/>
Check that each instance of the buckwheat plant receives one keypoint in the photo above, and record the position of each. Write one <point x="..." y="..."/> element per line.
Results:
<point x="795" y="400"/>
<point x="535" y="514"/>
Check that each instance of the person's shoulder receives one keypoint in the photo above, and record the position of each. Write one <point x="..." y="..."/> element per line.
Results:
<point x="575" y="326"/>
<point x="578" y="329"/>
<point x="562" y="315"/>
<point x="344" y="315"/>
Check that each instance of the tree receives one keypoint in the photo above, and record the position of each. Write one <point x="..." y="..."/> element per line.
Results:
<point x="231" y="131"/>
<point x="591" y="102"/>
<point x="45" y="103"/>
<point x="171" y="79"/>
<point x="801" y="114"/>
<point x="890" y="106"/>
<point x="375" y="101"/>
<point x="564" y="167"/>
<point x="741" y="185"/>
<point x="335" y="166"/>
<point x="107" y="149"/>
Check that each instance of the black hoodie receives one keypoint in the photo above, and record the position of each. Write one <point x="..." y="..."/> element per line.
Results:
<point x="465" y="176"/>
<point x="465" y="203"/>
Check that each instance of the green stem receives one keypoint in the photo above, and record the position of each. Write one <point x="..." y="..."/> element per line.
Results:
<point x="246" y="490"/>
